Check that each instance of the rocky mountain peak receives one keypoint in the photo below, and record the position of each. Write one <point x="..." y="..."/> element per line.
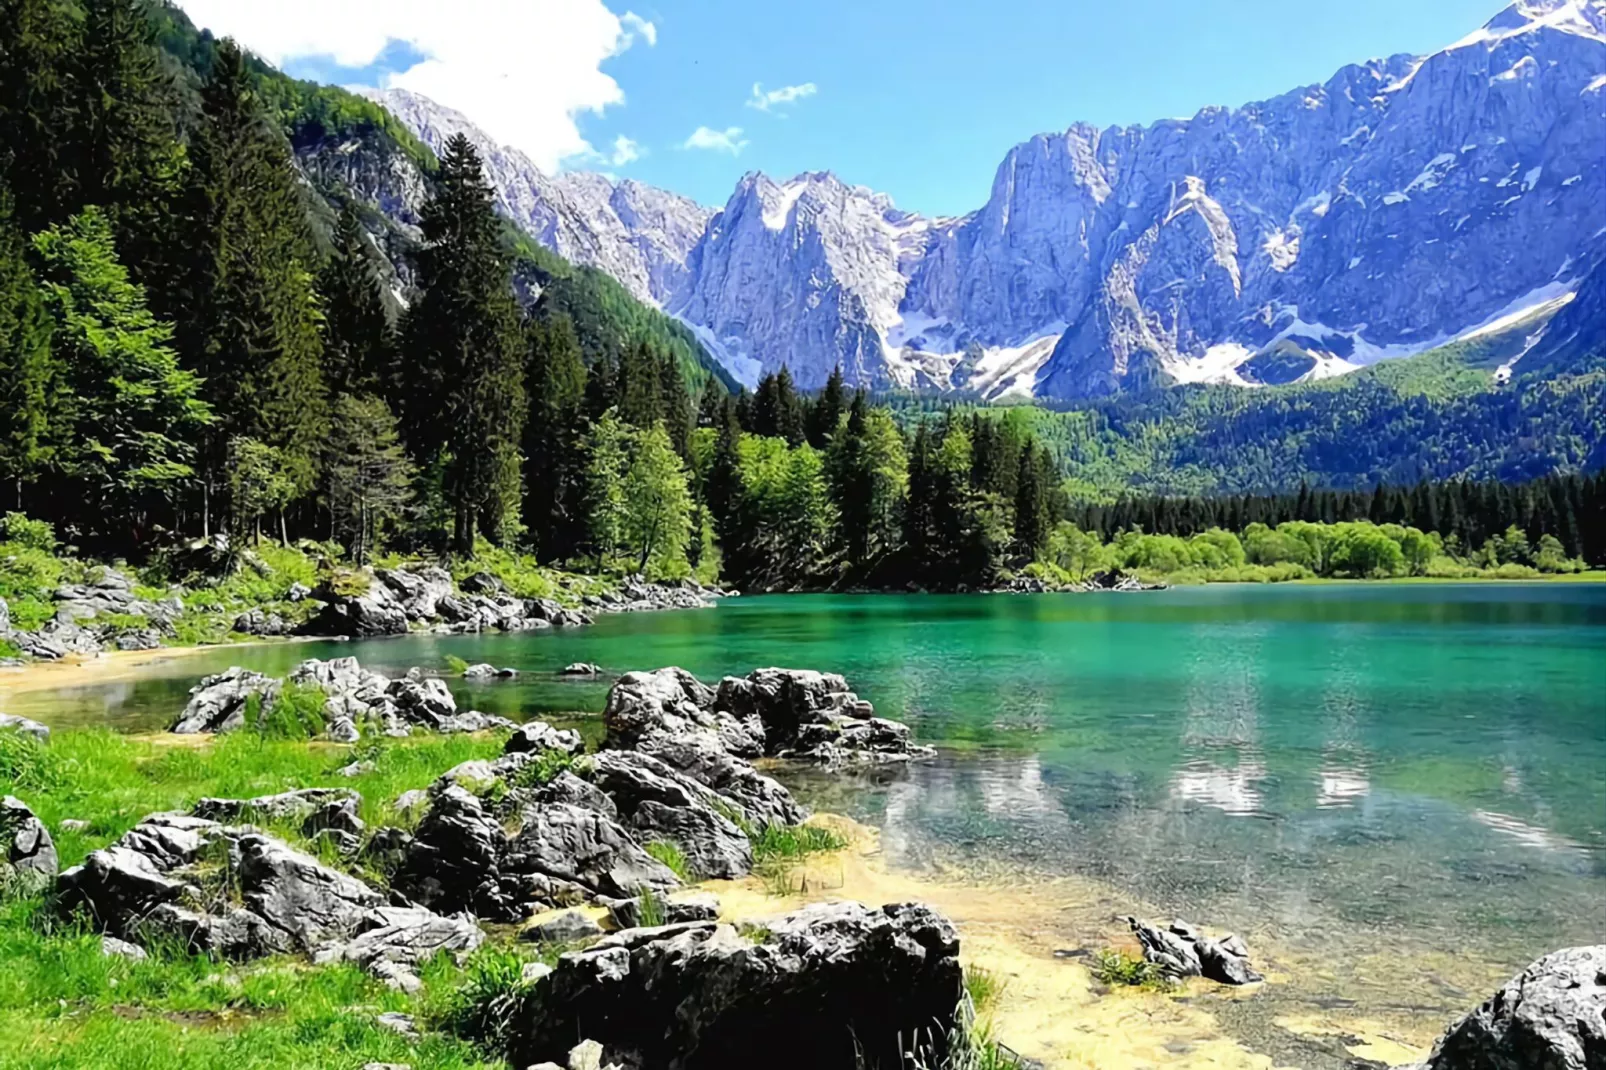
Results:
<point x="1403" y="203"/>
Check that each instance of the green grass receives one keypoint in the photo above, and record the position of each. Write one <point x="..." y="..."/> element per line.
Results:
<point x="1121" y="968"/>
<point x="65" y="1005"/>
<point x="790" y="843"/>
<point x="984" y="987"/>
<point x="673" y="858"/>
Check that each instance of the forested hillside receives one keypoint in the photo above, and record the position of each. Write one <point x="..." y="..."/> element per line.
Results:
<point x="232" y="303"/>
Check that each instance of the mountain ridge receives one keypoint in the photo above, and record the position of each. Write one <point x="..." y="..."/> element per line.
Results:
<point x="1400" y="205"/>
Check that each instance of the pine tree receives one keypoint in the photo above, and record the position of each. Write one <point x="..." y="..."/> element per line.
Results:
<point x="369" y="477"/>
<point x="788" y="409"/>
<point x="640" y="387"/>
<point x="132" y="412"/>
<point x="1031" y="502"/>
<point x="723" y="485"/>
<point x="28" y="378"/>
<point x="128" y="158"/>
<point x="675" y="407"/>
<point x="554" y="463"/>
<point x="465" y="380"/>
<point x="827" y="410"/>
<point x="244" y="297"/>
<point x="37" y="41"/>
<point x="357" y="339"/>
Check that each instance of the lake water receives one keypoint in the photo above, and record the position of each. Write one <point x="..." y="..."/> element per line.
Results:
<point x="1356" y="774"/>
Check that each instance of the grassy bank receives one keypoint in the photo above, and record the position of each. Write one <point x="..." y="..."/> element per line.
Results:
<point x="65" y="1005"/>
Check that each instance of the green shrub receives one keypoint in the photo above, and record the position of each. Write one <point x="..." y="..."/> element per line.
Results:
<point x="482" y="1008"/>
<point x="543" y="770"/>
<point x="652" y="913"/>
<point x="984" y="987"/>
<point x="296" y="712"/>
<point x="30" y="534"/>
<point x="456" y="665"/>
<point x="1120" y="968"/>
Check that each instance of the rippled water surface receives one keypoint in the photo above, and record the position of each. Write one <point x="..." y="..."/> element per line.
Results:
<point x="1359" y="770"/>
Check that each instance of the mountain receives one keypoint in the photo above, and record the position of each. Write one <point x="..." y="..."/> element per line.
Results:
<point x="1401" y="205"/>
<point x="639" y="234"/>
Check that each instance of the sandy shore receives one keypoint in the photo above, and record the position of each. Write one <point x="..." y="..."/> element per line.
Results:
<point x="110" y="667"/>
<point x="1036" y="939"/>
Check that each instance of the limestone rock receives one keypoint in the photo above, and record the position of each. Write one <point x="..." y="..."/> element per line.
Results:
<point x="1182" y="951"/>
<point x="537" y="736"/>
<point x="27" y="853"/>
<point x="1551" y="1016"/>
<point x="9" y="723"/>
<point x="840" y="982"/>
<point x="566" y="928"/>
<point x="220" y="703"/>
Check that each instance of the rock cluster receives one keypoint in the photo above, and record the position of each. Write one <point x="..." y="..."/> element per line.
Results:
<point x="355" y="700"/>
<point x="23" y="726"/>
<point x="398" y="600"/>
<point x="234" y="891"/>
<point x="74" y="631"/>
<point x="1182" y="951"/>
<point x="1551" y="1015"/>
<point x="787" y="713"/>
<point x="825" y="986"/>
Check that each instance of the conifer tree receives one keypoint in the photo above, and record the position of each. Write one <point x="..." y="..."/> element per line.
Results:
<point x="369" y="477"/>
<point x="465" y="366"/>
<point x="131" y="410"/>
<point x="357" y="339"/>
<point x="723" y="484"/>
<point x="28" y="379"/>
<point x="826" y="411"/>
<point x="244" y="298"/>
<point x="37" y="41"/>
<point x="675" y="408"/>
<point x="126" y="144"/>
<point x="554" y="462"/>
<point x="789" y="417"/>
<point x="1031" y="502"/>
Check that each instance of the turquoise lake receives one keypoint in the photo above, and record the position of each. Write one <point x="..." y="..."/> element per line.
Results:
<point x="1356" y="768"/>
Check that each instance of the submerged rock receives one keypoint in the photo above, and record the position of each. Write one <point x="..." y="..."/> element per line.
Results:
<point x="1551" y="1016"/>
<point x="832" y="985"/>
<point x="1181" y="951"/>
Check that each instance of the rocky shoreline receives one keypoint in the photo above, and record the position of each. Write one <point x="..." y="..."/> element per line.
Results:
<point x="606" y="854"/>
<point x="106" y="612"/>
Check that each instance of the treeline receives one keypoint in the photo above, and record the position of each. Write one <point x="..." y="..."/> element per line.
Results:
<point x="1466" y="514"/>
<point x="179" y="358"/>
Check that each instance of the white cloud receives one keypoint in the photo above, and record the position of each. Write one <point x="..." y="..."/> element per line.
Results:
<point x="625" y="150"/>
<point x="787" y="94"/>
<point x="635" y="24"/>
<point x="727" y="140"/>
<point x="524" y="70"/>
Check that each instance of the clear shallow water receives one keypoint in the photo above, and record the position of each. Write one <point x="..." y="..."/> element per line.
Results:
<point x="1352" y="771"/>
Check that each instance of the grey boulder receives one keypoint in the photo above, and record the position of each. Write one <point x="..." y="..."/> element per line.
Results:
<point x="27" y="853"/>
<point x="22" y="725"/>
<point x="842" y="983"/>
<point x="539" y="736"/>
<point x="1551" y="1016"/>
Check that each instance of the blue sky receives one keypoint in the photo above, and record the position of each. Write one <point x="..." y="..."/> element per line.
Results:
<point x="922" y="99"/>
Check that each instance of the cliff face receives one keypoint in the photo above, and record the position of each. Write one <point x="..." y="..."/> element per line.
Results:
<point x="638" y="234"/>
<point x="1403" y="203"/>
